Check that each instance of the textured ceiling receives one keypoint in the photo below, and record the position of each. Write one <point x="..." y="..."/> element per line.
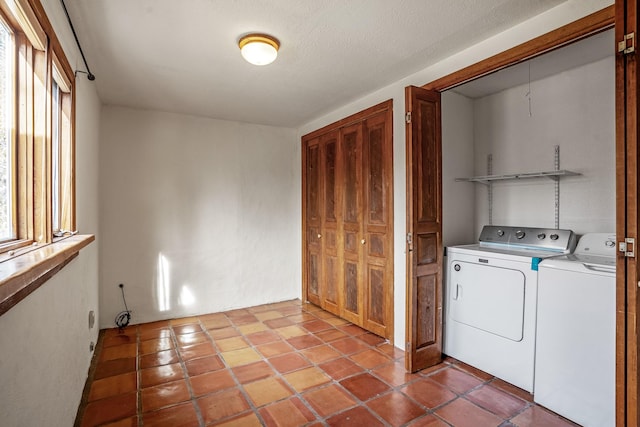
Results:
<point x="182" y="55"/>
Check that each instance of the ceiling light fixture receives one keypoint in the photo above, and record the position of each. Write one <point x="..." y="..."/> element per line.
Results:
<point x="259" y="49"/>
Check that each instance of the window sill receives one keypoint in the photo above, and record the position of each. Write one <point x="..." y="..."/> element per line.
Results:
<point x="24" y="274"/>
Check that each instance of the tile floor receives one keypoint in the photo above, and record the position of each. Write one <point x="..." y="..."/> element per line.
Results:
<point x="285" y="364"/>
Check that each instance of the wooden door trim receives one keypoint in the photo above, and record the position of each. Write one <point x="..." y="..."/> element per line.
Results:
<point x="353" y="119"/>
<point x="627" y="301"/>
<point x="570" y="33"/>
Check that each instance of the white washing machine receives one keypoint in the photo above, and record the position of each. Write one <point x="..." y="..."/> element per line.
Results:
<point x="575" y="346"/>
<point x="490" y="304"/>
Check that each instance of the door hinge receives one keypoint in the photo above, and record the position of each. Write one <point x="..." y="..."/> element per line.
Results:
<point x="407" y="117"/>
<point x="628" y="247"/>
<point x="410" y="241"/>
<point x="624" y="46"/>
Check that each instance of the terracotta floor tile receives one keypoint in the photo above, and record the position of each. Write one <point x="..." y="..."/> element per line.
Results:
<point x="266" y="391"/>
<point x="321" y="354"/>
<point x="230" y="344"/>
<point x="497" y="402"/>
<point x="307" y="378"/>
<point x="456" y="380"/>
<point x="125" y="422"/>
<point x="268" y="315"/>
<point x="114" y="340"/>
<point x="240" y="357"/>
<point x="218" y="406"/>
<point x="395" y="408"/>
<point x="153" y="325"/>
<point x="239" y="312"/>
<point x="390" y="350"/>
<point x="329" y="400"/>
<point x="364" y="386"/>
<point x="349" y="345"/>
<point x="428" y="393"/>
<point x="304" y="341"/>
<point x="110" y="409"/>
<point x="122" y="351"/>
<point x="263" y="337"/>
<point x="252" y="328"/>
<point x="217" y="323"/>
<point x="340" y="368"/>
<point x="156" y="345"/>
<point x="274" y="348"/>
<point x="160" y="374"/>
<point x="462" y="413"/>
<point x="358" y="416"/>
<point x="219" y="334"/>
<point x="287" y="413"/>
<point x="352" y="329"/>
<point x="114" y="367"/>
<point x="154" y="334"/>
<point x="301" y="317"/>
<point x="154" y="398"/>
<point x="165" y="357"/>
<point x="183" y="321"/>
<point x="212" y="316"/>
<point x="196" y="351"/>
<point x="246" y="420"/>
<point x="426" y="372"/>
<point x="395" y="374"/>
<point x="279" y="322"/>
<point x="204" y="364"/>
<point x="331" y="335"/>
<point x="186" y="340"/>
<point x="481" y="375"/>
<point x="336" y="321"/>
<point x="112" y="386"/>
<point x="370" y="358"/>
<point x="371" y="339"/>
<point x="316" y="325"/>
<point x="324" y="315"/>
<point x="290" y="331"/>
<point x="431" y="421"/>
<point x="536" y="416"/>
<point x="253" y="372"/>
<point x="289" y="362"/>
<point x="211" y="382"/>
<point x="183" y="415"/>
<point x="130" y="330"/>
<point x="244" y="320"/>
<point x="510" y="388"/>
<point x="187" y="329"/>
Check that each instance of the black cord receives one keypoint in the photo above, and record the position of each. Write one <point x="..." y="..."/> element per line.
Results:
<point x="90" y="75"/>
<point x="124" y="317"/>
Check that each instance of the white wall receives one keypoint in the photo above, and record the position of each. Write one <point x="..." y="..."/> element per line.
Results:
<point x="574" y="110"/>
<point x="458" y="198"/>
<point x="44" y="339"/>
<point x="198" y="215"/>
<point x="561" y="15"/>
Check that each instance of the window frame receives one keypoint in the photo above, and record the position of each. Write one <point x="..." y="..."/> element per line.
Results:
<point x="39" y="61"/>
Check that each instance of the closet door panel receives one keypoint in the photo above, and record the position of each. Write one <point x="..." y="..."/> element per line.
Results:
<point x="330" y="294"/>
<point x="313" y="224"/>
<point x="351" y="155"/>
<point x="377" y="179"/>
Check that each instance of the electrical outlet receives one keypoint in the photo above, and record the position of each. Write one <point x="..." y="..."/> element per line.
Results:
<point x="92" y="319"/>
<point x="92" y="346"/>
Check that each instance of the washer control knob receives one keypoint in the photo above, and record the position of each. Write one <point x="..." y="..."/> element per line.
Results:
<point x="519" y="234"/>
<point x="456" y="267"/>
<point x="554" y="237"/>
<point x="541" y="236"/>
<point x="610" y="243"/>
<point x="500" y="232"/>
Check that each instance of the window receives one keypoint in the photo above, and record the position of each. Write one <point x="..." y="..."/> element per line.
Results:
<point x="36" y="130"/>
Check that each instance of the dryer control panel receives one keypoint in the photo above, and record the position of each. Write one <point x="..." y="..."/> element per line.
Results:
<point x="551" y="239"/>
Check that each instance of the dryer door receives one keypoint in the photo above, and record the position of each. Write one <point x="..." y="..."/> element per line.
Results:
<point x="487" y="297"/>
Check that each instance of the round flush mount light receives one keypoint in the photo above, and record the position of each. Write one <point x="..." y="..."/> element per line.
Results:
<point x="259" y="49"/>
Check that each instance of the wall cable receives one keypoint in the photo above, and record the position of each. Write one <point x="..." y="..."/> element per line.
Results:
<point x="90" y="75"/>
<point x="124" y="317"/>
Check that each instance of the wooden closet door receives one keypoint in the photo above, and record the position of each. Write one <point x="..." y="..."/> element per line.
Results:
<point x="378" y="223"/>
<point x="313" y="225"/>
<point x="351" y="172"/>
<point x="330" y="287"/>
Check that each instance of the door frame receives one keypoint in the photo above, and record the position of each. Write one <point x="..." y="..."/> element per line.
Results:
<point x="626" y="338"/>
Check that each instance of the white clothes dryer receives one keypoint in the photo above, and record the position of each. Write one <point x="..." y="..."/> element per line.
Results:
<point x="490" y="305"/>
